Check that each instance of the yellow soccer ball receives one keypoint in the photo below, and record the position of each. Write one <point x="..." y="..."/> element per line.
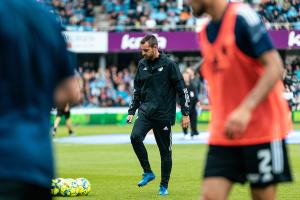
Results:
<point x="56" y="186"/>
<point x="84" y="186"/>
<point x="69" y="188"/>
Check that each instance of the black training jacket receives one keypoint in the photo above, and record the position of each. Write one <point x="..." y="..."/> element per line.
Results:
<point x="155" y="86"/>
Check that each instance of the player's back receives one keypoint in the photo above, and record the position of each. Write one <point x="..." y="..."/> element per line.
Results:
<point x="30" y="60"/>
<point x="29" y="43"/>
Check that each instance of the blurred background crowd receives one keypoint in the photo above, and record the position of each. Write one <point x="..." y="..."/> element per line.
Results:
<point x="108" y="88"/>
<point x="157" y="15"/>
<point x="291" y="83"/>
<point x="283" y="15"/>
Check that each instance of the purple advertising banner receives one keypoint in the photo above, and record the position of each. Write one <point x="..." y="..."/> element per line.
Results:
<point x="168" y="41"/>
<point x="285" y="39"/>
<point x="188" y="41"/>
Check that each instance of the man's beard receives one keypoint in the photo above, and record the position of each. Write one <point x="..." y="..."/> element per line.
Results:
<point x="149" y="57"/>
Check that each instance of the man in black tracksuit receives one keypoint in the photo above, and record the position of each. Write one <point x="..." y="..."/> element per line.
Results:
<point x="193" y="94"/>
<point x="156" y="83"/>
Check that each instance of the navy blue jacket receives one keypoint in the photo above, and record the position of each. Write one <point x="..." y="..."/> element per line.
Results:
<point x="33" y="60"/>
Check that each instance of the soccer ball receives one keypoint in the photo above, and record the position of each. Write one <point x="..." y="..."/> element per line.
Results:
<point x="56" y="186"/>
<point x="84" y="186"/>
<point x="69" y="188"/>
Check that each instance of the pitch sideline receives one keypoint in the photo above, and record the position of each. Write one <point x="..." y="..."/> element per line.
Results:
<point x="177" y="138"/>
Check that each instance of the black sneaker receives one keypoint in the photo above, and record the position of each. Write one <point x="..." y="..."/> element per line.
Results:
<point x="71" y="133"/>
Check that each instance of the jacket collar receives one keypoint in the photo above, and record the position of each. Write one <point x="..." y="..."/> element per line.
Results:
<point x="161" y="60"/>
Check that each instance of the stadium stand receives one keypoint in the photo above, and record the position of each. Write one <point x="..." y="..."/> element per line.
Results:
<point x="75" y="15"/>
<point x="292" y="85"/>
<point x="106" y="89"/>
<point x="153" y="15"/>
<point x="280" y="15"/>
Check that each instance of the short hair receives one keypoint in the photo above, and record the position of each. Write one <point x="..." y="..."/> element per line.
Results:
<point x="151" y="39"/>
<point x="185" y="72"/>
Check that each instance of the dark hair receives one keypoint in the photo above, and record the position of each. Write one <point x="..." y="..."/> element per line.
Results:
<point x="151" y="39"/>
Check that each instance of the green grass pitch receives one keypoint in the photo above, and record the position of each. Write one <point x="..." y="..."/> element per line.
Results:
<point x="114" y="171"/>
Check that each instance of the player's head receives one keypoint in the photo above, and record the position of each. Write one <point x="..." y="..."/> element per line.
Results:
<point x="191" y="72"/>
<point x="186" y="78"/>
<point x="149" y="47"/>
<point x="199" y="7"/>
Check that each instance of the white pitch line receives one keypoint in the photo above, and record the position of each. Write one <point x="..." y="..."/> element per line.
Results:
<point x="293" y="138"/>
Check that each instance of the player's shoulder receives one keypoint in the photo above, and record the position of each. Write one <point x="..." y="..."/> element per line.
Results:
<point x="31" y="11"/>
<point x="247" y="15"/>
<point x="166" y="59"/>
<point x="142" y="62"/>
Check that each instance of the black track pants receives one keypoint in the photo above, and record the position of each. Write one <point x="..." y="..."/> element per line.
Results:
<point x="163" y="137"/>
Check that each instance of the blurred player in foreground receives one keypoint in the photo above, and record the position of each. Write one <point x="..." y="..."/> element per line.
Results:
<point x="156" y="83"/>
<point x="34" y="64"/>
<point x="250" y="118"/>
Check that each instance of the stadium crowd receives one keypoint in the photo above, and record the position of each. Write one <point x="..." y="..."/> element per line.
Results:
<point x="157" y="15"/>
<point x="282" y="15"/>
<point x="292" y="84"/>
<point x="74" y="15"/>
<point x="106" y="88"/>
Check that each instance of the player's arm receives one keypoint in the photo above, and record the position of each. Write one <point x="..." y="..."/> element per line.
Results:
<point x="184" y="99"/>
<point x="136" y="98"/>
<point x="68" y="91"/>
<point x="68" y="87"/>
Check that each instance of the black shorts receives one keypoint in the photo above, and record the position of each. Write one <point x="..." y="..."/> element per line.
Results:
<point x="260" y="165"/>
<point x="61" y="113"/>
